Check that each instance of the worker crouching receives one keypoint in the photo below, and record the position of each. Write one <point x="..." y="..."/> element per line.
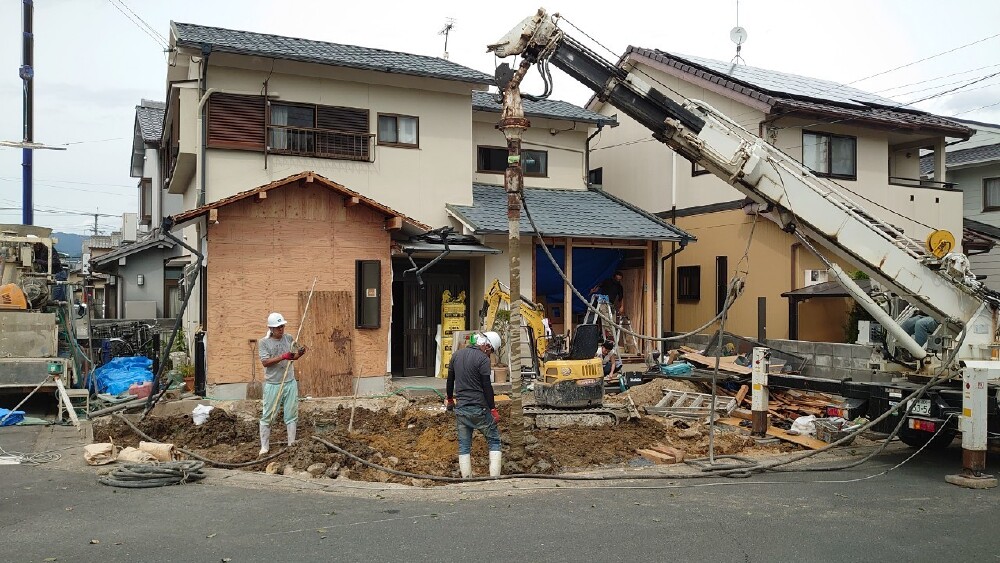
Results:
<point x="277" y="354"/>
<point x="470" y="395"/>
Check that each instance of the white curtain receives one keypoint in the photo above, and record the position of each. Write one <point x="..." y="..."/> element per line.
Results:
<point x="279" y="137"/>
<point x="407" y="130"/>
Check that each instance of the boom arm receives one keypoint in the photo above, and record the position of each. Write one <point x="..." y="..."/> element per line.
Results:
<point x="794" y="197"/>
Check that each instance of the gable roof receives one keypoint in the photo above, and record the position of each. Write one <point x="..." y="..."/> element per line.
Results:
<point x="309" y="177"/>
<point x="156" y="240"/>
<point x="551" y="109"/>
<point x="565" y="213"/>
<point x="149" y="117"/>
<point x="985" y="154"/>
<point x="790" y="93"/>
<point x="321" y="52"/>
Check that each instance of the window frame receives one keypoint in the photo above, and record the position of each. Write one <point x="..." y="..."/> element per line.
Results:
<point x="693" y="274"/>
<point x="396" y="116"/>
<point x="315" y="132"/>
<point x="505" y="150"/>
<point x="829" y="156"/>
<point x="986" y="200"/>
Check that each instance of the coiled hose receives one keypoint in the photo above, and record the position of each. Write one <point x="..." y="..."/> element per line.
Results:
<point x="143" y="476"/>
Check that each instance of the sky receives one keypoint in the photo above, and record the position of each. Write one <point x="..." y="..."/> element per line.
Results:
<point x="93" y="64"/>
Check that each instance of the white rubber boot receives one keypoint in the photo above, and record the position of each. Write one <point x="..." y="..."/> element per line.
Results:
<point x="265" y="438"/>
<point x="465" y="465"/>
<point x="290" y="427"/>
<point x="495" y="459"/>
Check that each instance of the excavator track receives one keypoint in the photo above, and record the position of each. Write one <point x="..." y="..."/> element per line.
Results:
<point x="553" y="417"/>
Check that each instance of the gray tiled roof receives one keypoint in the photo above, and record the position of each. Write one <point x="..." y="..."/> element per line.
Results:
<point x="565" y="213"/>
<point x="149" y="114"/>
<point x="321" y="52"/>
<point x="789" y="93"/>
<point x="553" y="109"/>
<point x="975" y="155"/>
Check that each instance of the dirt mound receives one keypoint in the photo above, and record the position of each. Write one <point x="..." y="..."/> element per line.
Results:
<point x="420" y="439"/>
<point x="648" y="394"/>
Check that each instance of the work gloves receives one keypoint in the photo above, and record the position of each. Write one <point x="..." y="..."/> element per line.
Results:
<point x="288" y="356"/>
<point x="450" y="404"/>
<point x="496" y="415"/>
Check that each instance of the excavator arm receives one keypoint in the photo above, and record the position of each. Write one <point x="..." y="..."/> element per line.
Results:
<point x="787" y="191"/>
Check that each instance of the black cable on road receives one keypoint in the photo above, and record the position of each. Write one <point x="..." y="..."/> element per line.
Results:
<point x="144" y="476"/>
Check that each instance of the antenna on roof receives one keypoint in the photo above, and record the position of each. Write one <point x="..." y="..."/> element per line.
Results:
<point x="737" y="35"/>
<point x="449" y="24"/>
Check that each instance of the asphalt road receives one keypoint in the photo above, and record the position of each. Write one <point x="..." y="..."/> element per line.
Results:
<point x="911" y="514"/>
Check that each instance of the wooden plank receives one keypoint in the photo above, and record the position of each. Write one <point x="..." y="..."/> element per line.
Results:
<point x="327" y="370"/>
<point x="657" y="457"/>
<point x="741" y="394"/>
<point x="725" y="363"/>
<point x="806" y="441"/>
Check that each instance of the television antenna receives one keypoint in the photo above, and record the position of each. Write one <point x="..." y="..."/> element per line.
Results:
<point x="449" y="24"/>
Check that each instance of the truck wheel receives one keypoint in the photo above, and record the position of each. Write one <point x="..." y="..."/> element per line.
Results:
<point x="917" y="438"/>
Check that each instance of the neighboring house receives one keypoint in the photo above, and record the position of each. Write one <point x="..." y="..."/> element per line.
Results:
<point x="973" y="166"/>
<point x="155" y="202"/>
<point x="410" y="133"/>
<point x="863" y="142"/>
<point x="105" y="297"/>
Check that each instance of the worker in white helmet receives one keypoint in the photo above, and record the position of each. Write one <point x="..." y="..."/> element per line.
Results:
<point x="469" y="385"/>
<point x="277" y="352"/>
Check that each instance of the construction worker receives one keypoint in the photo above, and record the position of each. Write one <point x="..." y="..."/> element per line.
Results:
<point x="469" y="386"/>
<point x="277" y="352"/>
<point x="613" y="288"/>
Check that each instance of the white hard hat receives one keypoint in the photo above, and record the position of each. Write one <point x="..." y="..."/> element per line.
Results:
<point x="275" y="320"/>
<point x="493" y="338"/>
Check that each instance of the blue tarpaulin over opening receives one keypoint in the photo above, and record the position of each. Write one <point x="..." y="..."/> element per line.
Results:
<point x="591" y="266"/>
<point x="119" y="374"/>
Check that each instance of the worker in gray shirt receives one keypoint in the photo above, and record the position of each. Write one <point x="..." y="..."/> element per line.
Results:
<point x="277" y="354"/>
<point x="469" y="382"/>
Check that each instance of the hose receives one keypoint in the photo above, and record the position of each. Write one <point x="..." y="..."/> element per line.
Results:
<point x="144" y="476"/>
<point x="204" y="459"/>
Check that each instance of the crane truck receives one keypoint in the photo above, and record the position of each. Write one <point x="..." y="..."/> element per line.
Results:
<point x="961" y="355"/>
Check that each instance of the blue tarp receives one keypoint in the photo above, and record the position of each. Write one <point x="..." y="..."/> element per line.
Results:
<point x="13" y="419"/>
<point x="119" y="374"/>
<point x="591" y="266"/>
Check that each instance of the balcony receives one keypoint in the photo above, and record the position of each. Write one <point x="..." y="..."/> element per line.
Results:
<point x="320" y="143"/>
<point x="920" y="183"/>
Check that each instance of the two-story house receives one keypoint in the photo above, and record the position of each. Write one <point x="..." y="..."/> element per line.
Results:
<point x="973" y="166"/>
<point x="867" y="144"/>
<point x="270" y="139"/>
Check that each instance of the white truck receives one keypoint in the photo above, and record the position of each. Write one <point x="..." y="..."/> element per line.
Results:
<point x="937" y="282"/>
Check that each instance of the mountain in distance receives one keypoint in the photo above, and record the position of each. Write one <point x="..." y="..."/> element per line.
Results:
<point x="70" y="243"/>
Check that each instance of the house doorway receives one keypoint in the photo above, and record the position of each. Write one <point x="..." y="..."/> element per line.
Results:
<point x="417" y="314"/>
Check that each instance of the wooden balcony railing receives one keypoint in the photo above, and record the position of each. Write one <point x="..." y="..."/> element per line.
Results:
<point x="320" y="143"/>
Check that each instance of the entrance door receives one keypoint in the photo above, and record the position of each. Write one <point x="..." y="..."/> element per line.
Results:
<point x="422" y="315"/>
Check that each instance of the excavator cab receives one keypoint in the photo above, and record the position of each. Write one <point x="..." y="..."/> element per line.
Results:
<point x="578" y="380"/>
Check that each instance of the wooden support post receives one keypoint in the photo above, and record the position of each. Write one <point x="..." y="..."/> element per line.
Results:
<point x="67" y="404"/>
<point x="567" y="311"/>
<point x="647" y="300"/>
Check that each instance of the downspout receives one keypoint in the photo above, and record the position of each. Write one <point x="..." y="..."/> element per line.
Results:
<point x="203" y="93"/>
<point x="586" y="154"/>
<point x="673" y="268"/>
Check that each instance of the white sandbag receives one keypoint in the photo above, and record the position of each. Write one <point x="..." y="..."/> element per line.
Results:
<point x="99" y="454"/>
<point x="135" y="455"/>
<point x="804" y="426"/>
<point x="162" y="452"/>
<point x="200" y="414"/>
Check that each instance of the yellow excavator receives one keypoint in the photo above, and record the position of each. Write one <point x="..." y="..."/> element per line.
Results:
<point x="570" y="385"/>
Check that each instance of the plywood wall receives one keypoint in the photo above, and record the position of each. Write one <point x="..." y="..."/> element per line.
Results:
<point x="264" y="254"/>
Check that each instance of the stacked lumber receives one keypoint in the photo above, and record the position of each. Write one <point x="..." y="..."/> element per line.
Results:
<point x="726" y="363"/>
<point x="661" y="454"/>
<point x="784" y="404"/>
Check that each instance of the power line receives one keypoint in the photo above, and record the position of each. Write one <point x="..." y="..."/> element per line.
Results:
<point x="925" y="59"/>
<point x="935" y="78"/>
<point x="141" y="24"/>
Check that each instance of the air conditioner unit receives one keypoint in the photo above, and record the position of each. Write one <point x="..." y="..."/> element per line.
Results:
<point x="813" y="277"/>
<point x="130" y="224"/>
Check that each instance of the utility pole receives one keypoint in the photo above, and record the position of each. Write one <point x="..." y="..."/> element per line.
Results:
<point x="513" y="124"/>
<point x="27" y="73"/>
<point x="95" y="223"/>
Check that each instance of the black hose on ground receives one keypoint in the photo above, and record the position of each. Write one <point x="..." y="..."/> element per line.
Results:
<point x="144" y="476"/>
<point x="189" y="453"/>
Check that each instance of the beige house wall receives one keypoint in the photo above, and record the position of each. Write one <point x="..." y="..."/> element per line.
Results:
<point x="565" y="148"/>
<point x="776" y="264"/>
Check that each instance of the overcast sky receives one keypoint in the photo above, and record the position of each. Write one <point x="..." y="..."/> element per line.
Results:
<point x="93" y="65"/>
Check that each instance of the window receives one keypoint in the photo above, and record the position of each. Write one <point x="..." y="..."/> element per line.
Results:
<point x="991" y="194"/>
<point x="688" y="283"/>
<point x="367" y="293"/>
<point x="320" y="131"/>
<point x="721" y="282"/>
<point x="698" y="170"/>
<point x="398" y="130"/>
<point x="596" y="177"/>
<point x="493" y="160"/>
<point x="830" y="155"/>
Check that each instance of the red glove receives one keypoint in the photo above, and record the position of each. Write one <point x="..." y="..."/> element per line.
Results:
<point x="288" y="356"/>
<point x="450" y="404"/>
<point x="496" y="416"/>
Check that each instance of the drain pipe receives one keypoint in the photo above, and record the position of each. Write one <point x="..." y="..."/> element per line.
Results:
<point x="681" y="245"/>
<point x="204" y="93"/>
<point x="586" y="155"/>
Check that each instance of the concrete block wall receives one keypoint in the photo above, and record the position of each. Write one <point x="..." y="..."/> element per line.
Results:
<point x="823" y="359"/>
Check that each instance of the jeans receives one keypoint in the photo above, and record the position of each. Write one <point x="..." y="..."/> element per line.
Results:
<point x="607" y="368"/>
<point x="476" y="418"/>
<point x="919" y="327"/>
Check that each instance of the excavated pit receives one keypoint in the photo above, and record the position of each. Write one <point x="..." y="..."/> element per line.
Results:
<point x="420" y="437"/>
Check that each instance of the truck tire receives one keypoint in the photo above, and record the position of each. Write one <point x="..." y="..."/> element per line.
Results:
<point x="917" y="438"/>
